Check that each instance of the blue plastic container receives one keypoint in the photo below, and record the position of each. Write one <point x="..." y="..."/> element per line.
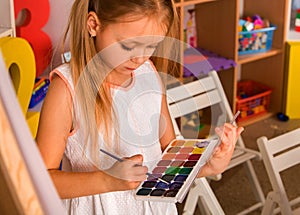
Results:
<point x="256" y="41"/>
<point x="39" y="92"/>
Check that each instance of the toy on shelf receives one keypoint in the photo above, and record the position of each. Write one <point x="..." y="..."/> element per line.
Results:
<point x="191" y="29"/>
<point x="35" y="15"/>
<point x="190" y="32"/>
<point x="198" y="61"/>
<point x="39" y="91"/>
<point x="255" y="35"/>
<point x="297" y="21"/>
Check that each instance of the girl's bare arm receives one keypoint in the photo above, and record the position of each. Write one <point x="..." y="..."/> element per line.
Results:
<point x="54" y="128"/>
<point x="166" y="127"/>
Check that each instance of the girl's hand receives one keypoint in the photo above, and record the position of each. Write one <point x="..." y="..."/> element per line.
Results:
<point x="130" y="172"/>
<point x="223" y="153"/>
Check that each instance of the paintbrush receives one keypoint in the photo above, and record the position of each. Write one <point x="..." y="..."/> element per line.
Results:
<point x="204" y="143"/>
<point x="235" y="116"/>
<point x="121" y="160"/>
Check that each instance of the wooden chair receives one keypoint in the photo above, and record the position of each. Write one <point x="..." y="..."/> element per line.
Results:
<point x="204" y="93"/>
<point x="279" y="154"/>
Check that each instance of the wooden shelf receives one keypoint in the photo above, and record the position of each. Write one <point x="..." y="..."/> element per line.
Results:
<point x="293" y="35"/>
<point x="217" y="31"/>
<point x="253" y="57"/>
<point x="255" y="119"/>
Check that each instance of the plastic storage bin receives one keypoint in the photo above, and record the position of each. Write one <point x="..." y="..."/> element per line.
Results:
<point x="256" y="41"/>
<point x="253" y="99"/>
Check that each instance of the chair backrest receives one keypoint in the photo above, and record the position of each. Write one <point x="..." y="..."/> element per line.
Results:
<point x="206" y="95"/>
<point x="197" y="95"/>
<point x="279" y="154"/>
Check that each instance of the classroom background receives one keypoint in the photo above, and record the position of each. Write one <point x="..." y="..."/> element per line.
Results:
<point x="254" y="48"/>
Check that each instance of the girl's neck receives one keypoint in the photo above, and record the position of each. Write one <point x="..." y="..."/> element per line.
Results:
<point x="120" y="80"/>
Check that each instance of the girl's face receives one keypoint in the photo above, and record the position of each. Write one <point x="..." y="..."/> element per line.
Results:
<point x="124" y="46"/>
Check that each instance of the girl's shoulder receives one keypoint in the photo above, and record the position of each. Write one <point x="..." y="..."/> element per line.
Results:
<point x="148" y="66"/>
<point x="64" y="73"/>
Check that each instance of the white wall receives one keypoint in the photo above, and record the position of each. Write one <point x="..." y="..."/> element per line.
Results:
<point x="59" y="13"/>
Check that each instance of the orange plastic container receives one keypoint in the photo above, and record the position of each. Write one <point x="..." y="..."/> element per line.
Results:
<point x="253" y="99"/>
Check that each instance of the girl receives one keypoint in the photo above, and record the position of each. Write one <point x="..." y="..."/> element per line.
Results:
<point x="110" y="97"/>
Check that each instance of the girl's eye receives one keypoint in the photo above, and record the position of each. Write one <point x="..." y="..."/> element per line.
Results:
<point x="126" y="48"/>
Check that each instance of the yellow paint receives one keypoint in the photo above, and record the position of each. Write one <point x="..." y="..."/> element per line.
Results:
<point x="19" y="59"/>
<point x="189" y="144"/>
<point x="293" y="82"/>
<point x="198" y="151"/>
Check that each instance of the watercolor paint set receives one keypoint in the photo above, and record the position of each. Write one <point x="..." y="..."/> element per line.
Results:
<point x="178" y="167"/>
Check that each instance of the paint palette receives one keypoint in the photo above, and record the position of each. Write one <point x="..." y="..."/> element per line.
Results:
<point x="179" y="165"/>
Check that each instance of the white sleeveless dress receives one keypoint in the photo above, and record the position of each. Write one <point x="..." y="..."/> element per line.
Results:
<point x="138" y="108"/>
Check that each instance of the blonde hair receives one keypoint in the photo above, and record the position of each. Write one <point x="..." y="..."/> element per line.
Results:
<point x="93" y="101"/>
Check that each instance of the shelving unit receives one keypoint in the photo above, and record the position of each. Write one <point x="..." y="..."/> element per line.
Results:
<point x="7" y="19"/>
<point x="217" y="30"/>
<point x="292" y="66"/>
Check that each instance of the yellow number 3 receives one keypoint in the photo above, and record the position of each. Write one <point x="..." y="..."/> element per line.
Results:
<point x="19" y="59"/>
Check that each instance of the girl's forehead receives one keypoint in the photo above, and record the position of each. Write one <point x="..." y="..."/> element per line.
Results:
<point x="146" y="28"/>
<point x="140" y="40"/>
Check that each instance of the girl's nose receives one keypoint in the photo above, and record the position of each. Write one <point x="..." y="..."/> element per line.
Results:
<point x="138" y="60"/>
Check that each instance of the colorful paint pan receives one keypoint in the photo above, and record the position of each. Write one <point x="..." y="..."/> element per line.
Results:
<point x="179" y="165"/>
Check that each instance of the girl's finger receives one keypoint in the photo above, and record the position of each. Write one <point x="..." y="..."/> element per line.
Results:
<point x="139" y="178"/>
<point x="140" y="170"/>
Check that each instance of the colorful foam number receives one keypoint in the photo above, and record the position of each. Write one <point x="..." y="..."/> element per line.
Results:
<point x="36" y="18"/>
<point x="19" y="59"/>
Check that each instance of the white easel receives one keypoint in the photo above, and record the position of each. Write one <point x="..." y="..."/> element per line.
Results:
<point x="21" y="164"/>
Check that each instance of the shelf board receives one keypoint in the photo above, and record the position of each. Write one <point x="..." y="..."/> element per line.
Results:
<point x="255" y="119"/>
<point x="253" y="57"/>
<point x="191" y="2"/>
<point x="293" y="35"/>
<point x="4" y="32"/>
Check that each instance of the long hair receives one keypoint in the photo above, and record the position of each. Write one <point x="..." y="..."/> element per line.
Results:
<point x="94" y="100"/>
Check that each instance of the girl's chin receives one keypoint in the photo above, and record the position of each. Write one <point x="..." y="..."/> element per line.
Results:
<point x="123" y="72"/>
<point x="129" y="68"/>
<point x="126" y="70"/>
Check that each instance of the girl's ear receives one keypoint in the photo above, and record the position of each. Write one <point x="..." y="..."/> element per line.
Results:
<point x="93" y="23"/>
